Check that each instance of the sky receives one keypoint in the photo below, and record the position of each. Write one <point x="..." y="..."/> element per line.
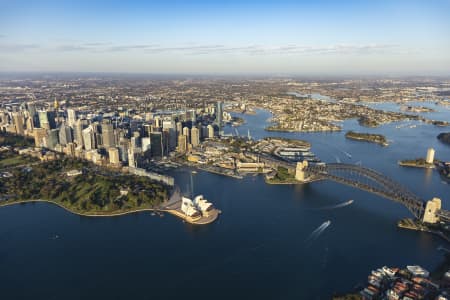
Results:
<point x="380" y="37"/>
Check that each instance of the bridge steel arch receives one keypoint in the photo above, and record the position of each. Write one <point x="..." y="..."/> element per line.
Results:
<point x="368" y="180"/>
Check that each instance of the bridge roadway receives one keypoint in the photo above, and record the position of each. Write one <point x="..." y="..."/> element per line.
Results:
<point x="362" y="178"/>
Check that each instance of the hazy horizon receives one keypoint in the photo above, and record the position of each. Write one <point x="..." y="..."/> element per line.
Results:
<point x="243" y="38"/>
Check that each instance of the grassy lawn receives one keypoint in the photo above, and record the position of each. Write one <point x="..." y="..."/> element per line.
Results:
<point x="12" y="161"/>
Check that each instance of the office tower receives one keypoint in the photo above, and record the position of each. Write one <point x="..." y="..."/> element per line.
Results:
<point x="135" y="142"/>
<point x="158" y="121"/>
<point x="47" y="119"/>
<point x="210" y="131"/>
<point x="65" y="135"/>
<point x="18" y="123"/>
<point x="145" y="144"/>
<point x="430" y="156"/>
<point x="219" y="115"/>
<point x="179" y="128"/>
<point x="182" y="143"/>
<point x="167" y="124"/>
<point x="131" y="161"/>
<point x="31" y="108"/>
<point x="191" y="115"/>
<point x="108" y="135"/>
<point x="88" y="138"/>
<point x="147" y="129"/>
<point x="71" y="117"/>
<point x="186" y="132"/>
<point x="70" y="149"/>
<point x="195" y="137"/>
<point x="78" y="132"/>
<point x="156" y="144"/>
<point x="39" y="136"/>
<point x="113" y="154"/>
<point x="52" y="138"/>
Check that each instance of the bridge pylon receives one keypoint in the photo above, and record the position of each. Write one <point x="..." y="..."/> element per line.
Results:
<point x="300" y="174"/>
<point x="431" y="209"/>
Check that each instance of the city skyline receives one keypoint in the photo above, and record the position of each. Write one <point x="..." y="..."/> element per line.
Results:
<point x="264" y="37"/>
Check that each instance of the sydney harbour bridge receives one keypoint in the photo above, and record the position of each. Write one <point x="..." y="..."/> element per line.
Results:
<point x="368" y="180"/>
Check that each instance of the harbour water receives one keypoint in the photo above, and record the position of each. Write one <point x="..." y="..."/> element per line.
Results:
<point x="257" y="249"/>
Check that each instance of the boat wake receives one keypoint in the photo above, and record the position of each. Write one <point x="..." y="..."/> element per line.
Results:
<point x="317" y="232"/>
<point x="344" y="204"/>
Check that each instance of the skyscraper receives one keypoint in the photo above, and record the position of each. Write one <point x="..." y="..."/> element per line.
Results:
<point x="88" y="138"/>
<point x="108" y="135"/>
<point x="195" y="137"/>
<point x="156" y="144"/>
<point x="182" y="143"/>
<point x="71" y="117"/>
<point x="47" y="119"/>
<point x="210" y="131"/>
<point x="52" y="138"/>
<point x="186" y="132"/>
<point x="131" y="162"/>
<point x="65" y="135"/>
<point x="78" y="132"/>
<point x="113" y="154"/>
<point x="219" y="114"/>
<point x="18" y="123"/>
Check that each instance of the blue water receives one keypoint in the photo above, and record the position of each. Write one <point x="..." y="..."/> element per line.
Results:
<point x="257" y="249"/>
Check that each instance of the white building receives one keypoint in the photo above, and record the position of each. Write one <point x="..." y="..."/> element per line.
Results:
<point x="202" y="204"/>
<point x="430" y="156"/>
<point x="188" y="207"/>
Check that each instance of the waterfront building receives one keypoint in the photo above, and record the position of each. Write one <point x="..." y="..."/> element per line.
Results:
<point x="187" y="133"/>
<point x="430" y="156"/>
<point x="188" y="207"/>
<point x="202" y="204"/>
<point x="182" y="143"/>
<point x="195" y="137"/>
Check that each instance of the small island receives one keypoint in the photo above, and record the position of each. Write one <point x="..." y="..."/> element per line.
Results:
<point x="444" y="137"/>
<point x="410" y="108"/>
<point x="368" y="137"/>
<point x="417" y="163"/>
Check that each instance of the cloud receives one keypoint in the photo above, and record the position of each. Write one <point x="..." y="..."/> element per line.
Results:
<point x="129" y="47"/>
<point x="214" y="49"/>
<point x="17" y="47"/>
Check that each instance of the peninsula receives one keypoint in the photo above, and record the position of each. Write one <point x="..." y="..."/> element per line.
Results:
<point x="368" y="137"/>
<point x="76" y="185"/>
<point x="417" y="163"/>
